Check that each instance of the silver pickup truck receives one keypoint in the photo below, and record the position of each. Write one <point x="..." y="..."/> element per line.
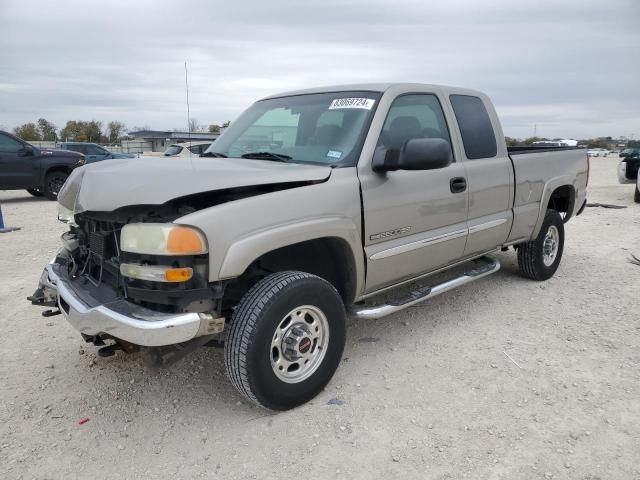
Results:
<point x="301" y="213"/>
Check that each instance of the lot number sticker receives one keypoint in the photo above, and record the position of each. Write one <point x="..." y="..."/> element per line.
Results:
<point x="363" y="103"/>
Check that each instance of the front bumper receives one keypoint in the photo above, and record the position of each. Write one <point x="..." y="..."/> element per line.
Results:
<point x="121" y="319"/>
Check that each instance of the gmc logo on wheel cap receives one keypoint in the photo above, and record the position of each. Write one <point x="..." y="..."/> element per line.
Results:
<point x="304" y="345"/>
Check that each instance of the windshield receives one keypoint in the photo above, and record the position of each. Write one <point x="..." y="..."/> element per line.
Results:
<point x="323" y="128"/>
<point x="173" y="150"/>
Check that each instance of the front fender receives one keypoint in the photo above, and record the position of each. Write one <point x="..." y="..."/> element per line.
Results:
<point x="242" y="230"/>
<point x="246" y="250"/>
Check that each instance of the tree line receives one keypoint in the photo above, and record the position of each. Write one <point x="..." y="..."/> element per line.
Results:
<point x="74" y="130"/>
<point x="92" y="131"/>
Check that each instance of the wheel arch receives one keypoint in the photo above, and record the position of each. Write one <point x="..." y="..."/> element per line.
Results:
<point x="559" y="194"/>
<point x="55" y="168"/>
<point x="335" y="256"/>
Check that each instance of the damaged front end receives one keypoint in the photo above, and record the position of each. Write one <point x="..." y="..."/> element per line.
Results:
<point x="86" y="284"/>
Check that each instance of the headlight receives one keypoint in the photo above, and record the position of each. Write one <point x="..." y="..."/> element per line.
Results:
<point x="82" y="161"/>
<point x="162" y="239"/>
<point x="64" y="214"/>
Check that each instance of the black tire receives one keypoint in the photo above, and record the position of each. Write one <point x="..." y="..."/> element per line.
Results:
<point x="636" y="195"/>
<point x="531" y="255"/>
<point x="258" y="320"/>
<point x="53" y="183"/>
<point x="35" y="192"/>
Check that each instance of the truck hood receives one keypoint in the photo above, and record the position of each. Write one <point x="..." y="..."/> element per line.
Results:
<point x="107" y="186"/>
<point x="58" y="153"/>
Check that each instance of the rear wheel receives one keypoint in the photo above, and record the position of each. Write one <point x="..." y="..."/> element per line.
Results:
<point x="286" y="339"/>
<point x="636" y="195"/>
<point x="53" y="182"/>
<point x="35" y="192"/>
<point x="540" y="258"/>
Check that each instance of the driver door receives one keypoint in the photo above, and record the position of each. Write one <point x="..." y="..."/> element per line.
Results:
<point x="17" y="170"/>
<point x="414" y="221"/>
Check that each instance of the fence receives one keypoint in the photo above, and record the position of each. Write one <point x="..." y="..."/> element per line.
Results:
<point x="128" y="146"/>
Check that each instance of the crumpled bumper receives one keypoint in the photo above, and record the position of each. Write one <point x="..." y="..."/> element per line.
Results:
<point x="120" y="319"/>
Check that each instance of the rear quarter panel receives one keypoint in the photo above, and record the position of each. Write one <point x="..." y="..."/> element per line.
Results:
<point x="537" y="175"/>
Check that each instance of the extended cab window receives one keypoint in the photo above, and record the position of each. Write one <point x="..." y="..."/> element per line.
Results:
<point x="413" y="116"/>
<point x="478" y="137"/>
<point x="9" y="145"/>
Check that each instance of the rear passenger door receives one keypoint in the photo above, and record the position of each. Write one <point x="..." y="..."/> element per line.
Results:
<point x="489" y="173"/>
<point x="414" y="221"/>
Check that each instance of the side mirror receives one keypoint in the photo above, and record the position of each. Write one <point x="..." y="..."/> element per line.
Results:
<point x="26" y="151"/>
<point x="416" y="154"/>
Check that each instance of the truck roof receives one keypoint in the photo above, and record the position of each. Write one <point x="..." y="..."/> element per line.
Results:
<point x="374" y="87"/>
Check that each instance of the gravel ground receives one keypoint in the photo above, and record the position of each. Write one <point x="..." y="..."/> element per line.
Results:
<point x="504" y="378"/>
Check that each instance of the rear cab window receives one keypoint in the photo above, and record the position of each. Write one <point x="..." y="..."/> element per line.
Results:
<point x="476" y="129"/>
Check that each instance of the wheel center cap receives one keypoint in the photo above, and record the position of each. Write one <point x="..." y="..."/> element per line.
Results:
<point x="304" y="345"/>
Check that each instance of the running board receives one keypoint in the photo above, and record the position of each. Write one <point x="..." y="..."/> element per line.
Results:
<point x="483" y="266"/>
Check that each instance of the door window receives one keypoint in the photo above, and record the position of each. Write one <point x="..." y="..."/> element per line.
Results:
<point x="413" y="116"/>
<point x="9" y="145"/>
<point x="95" y="150"/>
<point x="78" y="148"/>
<point x="478" y="137"/>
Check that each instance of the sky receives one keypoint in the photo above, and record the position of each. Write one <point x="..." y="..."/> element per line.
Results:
<point x="568" y="68"/>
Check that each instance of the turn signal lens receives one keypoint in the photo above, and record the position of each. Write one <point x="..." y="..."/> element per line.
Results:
<point x="178" y="274"/>
<point x="184" y="241"/>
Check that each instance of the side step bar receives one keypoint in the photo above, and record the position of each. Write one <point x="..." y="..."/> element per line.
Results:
<point x="483" y="266"/>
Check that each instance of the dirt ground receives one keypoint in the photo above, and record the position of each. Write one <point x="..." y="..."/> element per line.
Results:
<point x="504" y="378"/>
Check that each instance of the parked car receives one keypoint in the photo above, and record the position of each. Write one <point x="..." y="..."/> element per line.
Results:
<point x="597" y="152"/>
<point x="186" y="149"/>
<point x="39" y="171"/>
<point x="628" y="170"/>
<point x="93" y="152"/>
<point x="349" y="193"/>
<point x="630" y="152"/>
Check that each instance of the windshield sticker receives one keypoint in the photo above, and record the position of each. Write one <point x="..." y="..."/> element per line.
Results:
<point x="334" y="154"/>
<point x="363" y="103"/>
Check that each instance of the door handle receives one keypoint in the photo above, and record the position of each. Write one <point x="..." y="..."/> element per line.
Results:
<point x="458" y="184"/>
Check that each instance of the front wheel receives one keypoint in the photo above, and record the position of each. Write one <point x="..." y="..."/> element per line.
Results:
<point x="53" y="182"/>
<point x="286" y="339"/>
<point x="540" y="258"/>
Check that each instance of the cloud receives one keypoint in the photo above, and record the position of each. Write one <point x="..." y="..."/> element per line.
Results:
<point x="568" y="66"/>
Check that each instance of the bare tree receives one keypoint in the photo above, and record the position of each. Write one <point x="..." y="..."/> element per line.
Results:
<point x="115" y="130"/>
<point x="48" y="130"/>
<point x="194" y="125"/>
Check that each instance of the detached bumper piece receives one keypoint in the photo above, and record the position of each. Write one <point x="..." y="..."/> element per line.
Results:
<point x="120" y="319"/>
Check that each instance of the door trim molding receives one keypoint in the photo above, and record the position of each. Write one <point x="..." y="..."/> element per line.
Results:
<point x="408" y="247"/>
<point x="487" y="225"/>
